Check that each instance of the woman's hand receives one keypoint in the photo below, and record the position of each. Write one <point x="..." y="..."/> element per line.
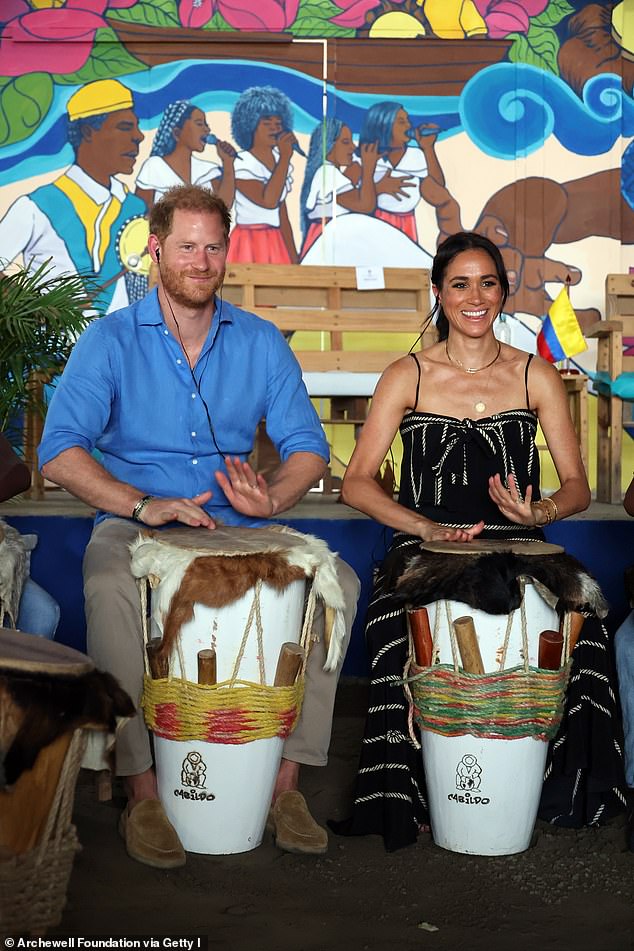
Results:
<point x="510" y="502"/>
<point x="426" y="134"/>
<point x="431" y="532"/>
<point x="246" y="491"/>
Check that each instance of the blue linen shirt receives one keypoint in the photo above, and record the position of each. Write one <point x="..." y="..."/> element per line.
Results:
<point x="127" y="390"/>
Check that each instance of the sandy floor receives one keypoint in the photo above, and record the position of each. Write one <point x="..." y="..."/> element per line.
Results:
<point x="572" y="890"/>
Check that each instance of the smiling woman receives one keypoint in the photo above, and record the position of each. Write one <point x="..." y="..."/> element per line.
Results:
<point x="467" y="409"/>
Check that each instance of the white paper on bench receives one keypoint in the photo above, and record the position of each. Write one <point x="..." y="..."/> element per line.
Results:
<point x="340" y="383"/>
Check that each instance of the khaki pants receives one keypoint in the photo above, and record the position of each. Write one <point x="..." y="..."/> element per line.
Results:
<point x="115" y="643"/>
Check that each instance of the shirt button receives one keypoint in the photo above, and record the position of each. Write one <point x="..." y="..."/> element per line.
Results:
<point x="194" y="462"/>
<point x="166" y="332"/>
<point x="179" y="362"/>
<point x="193" y="434"/>
<point x="193" y="396"/>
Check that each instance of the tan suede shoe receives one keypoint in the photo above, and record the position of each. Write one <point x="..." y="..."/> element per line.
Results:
<point x="150" y="837"/>
<point x="295" y="829"/>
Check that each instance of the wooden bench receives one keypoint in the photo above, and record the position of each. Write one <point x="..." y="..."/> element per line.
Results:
<point x="611" y="364"/>
<point x="343" y="336"/>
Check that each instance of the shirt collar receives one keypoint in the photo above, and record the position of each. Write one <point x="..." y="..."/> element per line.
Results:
<point x="97" y="192"/>
<point x="149" y="311"/>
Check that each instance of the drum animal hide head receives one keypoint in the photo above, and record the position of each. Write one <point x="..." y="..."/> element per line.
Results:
<point x="491" y="582"/>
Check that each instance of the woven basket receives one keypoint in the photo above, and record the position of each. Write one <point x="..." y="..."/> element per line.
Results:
<point x="33" y="886"/>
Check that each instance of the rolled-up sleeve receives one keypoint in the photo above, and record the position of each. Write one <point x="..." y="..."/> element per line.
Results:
<point x="291" y="420"/>
<point x="80" y="407"/>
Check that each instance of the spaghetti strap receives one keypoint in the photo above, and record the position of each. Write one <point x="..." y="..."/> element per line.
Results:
<point x="528" y="363"/>
<point x="414" y="358"/>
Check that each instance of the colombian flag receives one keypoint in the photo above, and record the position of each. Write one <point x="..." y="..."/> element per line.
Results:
<point x="560" y="335"/>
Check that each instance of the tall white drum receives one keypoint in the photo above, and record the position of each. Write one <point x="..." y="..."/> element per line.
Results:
<point x="217" y="794"/>
<point x="484" y="790"/>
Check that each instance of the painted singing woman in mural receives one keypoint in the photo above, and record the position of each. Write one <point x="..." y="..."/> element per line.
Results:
<point x="389" y="124"/>
<point x="182" y="131"/>
<point x="339" y="179"/>
<point x="261" y="124"/>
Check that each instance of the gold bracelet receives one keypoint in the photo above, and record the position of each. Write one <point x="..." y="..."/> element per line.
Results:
<point x="542" y="506"/>
<point x="554" y="510"/>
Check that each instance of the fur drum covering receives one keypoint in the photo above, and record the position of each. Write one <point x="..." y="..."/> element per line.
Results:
<point x="13" y="571"/>
<point x="36" y="708"/>
<point x="492" y="582"/>
<point x="189" y="566"/>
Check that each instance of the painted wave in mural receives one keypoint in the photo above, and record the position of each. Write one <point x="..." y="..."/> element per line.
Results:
<point x="506" y="109"/>
<point x="511" y="109"/>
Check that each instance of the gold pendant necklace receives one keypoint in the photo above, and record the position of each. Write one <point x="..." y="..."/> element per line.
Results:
<point x="460" y="364"/>
<point x="480" y="405"/>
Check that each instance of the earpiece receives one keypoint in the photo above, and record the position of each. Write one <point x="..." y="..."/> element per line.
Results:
<point x="158" y="256"/>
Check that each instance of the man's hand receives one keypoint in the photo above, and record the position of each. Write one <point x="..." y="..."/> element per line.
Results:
<point x="188" y="511"/>
<point x="246" y="490"/>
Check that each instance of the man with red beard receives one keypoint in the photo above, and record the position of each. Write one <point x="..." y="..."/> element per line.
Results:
<point x="171" y="391"/>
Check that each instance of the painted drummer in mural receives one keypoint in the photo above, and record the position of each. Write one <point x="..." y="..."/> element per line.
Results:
<point x="80" y="219"/>
<point x="467" y="409"/>
<point x="171" y="391"/>
<point x="262" y="126"/>
<point x="182" y="131"/>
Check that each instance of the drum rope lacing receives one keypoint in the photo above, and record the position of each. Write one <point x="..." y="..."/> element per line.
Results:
<point x="509" y="703"/>
<point x="179" y="709"/>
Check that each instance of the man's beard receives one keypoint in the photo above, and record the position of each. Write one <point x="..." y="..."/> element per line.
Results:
<point x="190" y="293"/>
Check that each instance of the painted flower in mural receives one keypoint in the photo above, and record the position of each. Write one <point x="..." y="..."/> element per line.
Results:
<point x="354" y="11"/>
<point x="37" y="40"/>
<point x="265" y="15"/>
<point x="509" y="16"/>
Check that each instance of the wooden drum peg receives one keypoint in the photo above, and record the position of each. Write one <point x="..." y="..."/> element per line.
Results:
<point x="159" y="663"/>
<point x="576" y="623"/>
<point x="421" y="636"/>
<point x="468" y="645"/>
<point x="550" y="647"/>
<point x="289" y="662"/>
<point x="207" y="666"/>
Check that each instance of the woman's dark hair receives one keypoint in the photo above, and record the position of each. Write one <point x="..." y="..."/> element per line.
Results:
<point x="453" y="245"/>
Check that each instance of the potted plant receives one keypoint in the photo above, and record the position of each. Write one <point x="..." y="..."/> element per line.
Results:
<point x="41" y="316"/>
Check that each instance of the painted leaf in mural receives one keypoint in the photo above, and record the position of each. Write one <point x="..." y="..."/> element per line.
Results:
<point x="538" y="48"/>
<point x="554" y="13"/>
<point x="157" y="13"/>
<point x="317" y="18"/>
<point x="24" y="101"/>
<point x="109" y="58"/>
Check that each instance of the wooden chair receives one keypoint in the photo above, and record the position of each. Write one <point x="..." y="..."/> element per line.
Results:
<point x="614" y="382"/>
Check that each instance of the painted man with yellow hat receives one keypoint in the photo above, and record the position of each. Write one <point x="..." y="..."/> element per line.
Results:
<point x="77" y="219"/>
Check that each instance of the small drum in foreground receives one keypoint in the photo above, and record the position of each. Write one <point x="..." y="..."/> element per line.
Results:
<point x="49" y="695"/>
<point x="238" y="594"/>
<point x="484" y="733"/>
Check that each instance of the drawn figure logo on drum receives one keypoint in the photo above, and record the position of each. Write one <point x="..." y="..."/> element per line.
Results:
<point x="193" y="770"/>
<point x="468" y="773"/>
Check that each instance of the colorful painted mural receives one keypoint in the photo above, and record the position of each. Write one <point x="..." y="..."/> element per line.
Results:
<point x="357" y="132"/>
